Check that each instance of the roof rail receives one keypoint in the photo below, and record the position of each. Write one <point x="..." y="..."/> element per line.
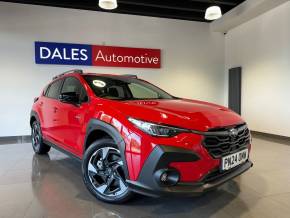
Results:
<point x="131" y="75"/>
<point x="69" y="71"/>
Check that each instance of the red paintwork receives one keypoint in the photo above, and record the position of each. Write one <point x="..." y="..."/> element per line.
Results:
<point x="64" y="129"/>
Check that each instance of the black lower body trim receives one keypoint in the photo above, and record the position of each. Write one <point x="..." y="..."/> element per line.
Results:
<point x="187" y="189"/>
<point x="61" y="149"/>
<point x="159" y="159"/>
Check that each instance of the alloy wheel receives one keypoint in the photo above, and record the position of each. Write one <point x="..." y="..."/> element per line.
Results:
<point x="35" y="135"/>
<point x="106" y="173"/>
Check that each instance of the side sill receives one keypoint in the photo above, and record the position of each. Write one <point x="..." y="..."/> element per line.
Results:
<point x="62" y="150"/>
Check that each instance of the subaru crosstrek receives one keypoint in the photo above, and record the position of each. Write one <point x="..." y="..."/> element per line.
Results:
<point x="131" y="136"/>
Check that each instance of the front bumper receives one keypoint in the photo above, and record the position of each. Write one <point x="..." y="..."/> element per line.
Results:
<point x="147" y="184"/>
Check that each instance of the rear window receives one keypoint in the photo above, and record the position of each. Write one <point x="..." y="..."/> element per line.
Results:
<point x="45" y="90"/>
<point x="54" y="89"/>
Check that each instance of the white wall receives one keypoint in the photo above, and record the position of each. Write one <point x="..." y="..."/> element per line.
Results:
<point x="262" y="47"/>
<point x="192" y="56"/>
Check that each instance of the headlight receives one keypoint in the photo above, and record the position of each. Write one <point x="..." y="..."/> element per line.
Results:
<point x="155" y="129"/>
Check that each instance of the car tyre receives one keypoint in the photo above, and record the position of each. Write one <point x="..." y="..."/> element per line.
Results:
<point x="103" y="172"/>
<point x="38" y="145"/>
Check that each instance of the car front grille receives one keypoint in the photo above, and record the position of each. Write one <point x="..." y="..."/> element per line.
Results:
<point x="220" y="142"/>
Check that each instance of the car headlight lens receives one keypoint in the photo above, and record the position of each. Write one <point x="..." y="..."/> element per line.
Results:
<point x="155" y="129"/>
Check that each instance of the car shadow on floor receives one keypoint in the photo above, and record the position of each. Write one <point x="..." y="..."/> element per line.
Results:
<point x="60" y="177"/>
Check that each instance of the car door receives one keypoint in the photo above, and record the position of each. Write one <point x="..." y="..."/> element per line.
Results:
<point x="49" y="104"/>
<point x="72" y="117"/>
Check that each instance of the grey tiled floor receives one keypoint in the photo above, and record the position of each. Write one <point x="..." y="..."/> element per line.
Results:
<point x="51" y="186"/>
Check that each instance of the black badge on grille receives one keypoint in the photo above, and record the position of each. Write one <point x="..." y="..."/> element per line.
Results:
<point x="233" y="133"/>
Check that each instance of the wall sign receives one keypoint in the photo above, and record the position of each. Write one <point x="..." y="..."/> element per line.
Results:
<point x="96" y="55"/>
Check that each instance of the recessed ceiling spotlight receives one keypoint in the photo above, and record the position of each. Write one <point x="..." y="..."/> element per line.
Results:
<point x="108" y="4"/>
<point x="213" y="13"/>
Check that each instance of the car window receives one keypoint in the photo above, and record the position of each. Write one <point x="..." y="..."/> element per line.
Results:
<point x="72" y="84"/>
<point x="54" y="89"/>
<point x="124" y="88"/>
<point x="139" y="91"/>
<point x="45" y="90"/>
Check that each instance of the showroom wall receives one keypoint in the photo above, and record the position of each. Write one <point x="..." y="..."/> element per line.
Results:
<point x="262" y="47"/>
<point x="192" y="56"/>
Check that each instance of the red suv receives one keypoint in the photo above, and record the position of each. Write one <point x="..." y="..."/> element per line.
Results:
<point x="134" y="137"/>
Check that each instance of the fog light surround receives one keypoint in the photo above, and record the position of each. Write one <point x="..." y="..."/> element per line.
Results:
<point x="167" y="177"/>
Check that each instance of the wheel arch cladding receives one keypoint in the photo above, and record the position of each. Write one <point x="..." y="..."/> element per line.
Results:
<point x="94" y="135"/>
<point x="160" y="158"/>
<point x="105" y="129"/>
<point x="33" y="117"/>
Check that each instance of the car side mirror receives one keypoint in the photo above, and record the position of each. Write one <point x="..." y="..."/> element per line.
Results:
<point x="70" y="97"/>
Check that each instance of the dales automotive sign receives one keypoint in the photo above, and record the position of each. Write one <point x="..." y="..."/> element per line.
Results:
<point x="96" y="55"/>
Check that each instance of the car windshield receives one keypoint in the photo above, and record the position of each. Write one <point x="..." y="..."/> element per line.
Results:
<point x="117" y="88"/>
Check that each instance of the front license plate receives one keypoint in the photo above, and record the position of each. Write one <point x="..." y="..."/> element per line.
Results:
<point x="233" y="160"/>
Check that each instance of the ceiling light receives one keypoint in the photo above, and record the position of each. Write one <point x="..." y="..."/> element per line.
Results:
<point x="108" y="4"/>
<point x="213" y="13"/>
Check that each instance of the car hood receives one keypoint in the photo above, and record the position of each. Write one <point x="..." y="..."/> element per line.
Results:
<point x="190" y="114"/>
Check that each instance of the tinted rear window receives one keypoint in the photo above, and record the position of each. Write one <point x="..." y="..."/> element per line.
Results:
<point x="54" y="89"/>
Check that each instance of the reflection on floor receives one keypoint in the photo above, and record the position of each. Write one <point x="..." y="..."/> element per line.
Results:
<point x="51" y="186"/>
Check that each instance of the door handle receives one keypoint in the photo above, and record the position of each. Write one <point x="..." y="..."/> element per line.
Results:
<point x="55" y="109"/>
